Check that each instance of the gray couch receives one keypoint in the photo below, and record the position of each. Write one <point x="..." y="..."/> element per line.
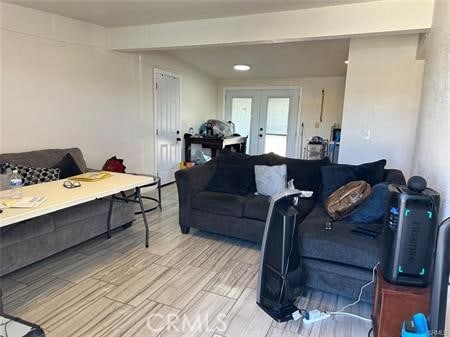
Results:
<point x="26" y="242"/>
<point x="335" y="261"/>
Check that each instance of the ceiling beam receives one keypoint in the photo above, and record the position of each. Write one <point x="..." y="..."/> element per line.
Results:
<point x="366" y="18"/>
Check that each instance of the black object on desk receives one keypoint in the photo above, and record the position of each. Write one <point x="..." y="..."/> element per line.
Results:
<point x="216" y="144"/>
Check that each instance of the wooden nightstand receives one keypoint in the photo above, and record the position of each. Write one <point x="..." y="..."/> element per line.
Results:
<point x="394" y="304"/>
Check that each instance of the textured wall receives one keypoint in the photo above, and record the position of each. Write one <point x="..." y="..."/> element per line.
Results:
<point x="432" y="148"/>
<point x="382" y="100"/>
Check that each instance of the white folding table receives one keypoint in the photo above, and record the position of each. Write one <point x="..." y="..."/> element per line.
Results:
<point x="59" y="197"/>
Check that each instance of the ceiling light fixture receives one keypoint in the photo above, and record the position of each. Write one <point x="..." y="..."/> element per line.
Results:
<point x="241" y="67"/>
<point x="346" y="61"/>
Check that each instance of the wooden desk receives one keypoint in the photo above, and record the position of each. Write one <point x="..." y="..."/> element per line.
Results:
<point x="394" y="304"/>
<point x="59" y="197"/>
<point x="215" y="144"/>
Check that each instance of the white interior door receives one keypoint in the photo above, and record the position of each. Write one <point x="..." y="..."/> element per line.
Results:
<point x="267" y="117"/>
<point x="167" y="121"/>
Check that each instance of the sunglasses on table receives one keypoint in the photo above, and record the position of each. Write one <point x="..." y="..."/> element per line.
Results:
<point x="71" y="184"/>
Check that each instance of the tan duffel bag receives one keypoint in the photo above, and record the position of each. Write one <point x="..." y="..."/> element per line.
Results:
<point x="345" y="199"/>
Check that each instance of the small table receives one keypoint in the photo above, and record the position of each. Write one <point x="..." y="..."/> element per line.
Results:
<point x="216" y="144"/>
<point x="394" y="304"/>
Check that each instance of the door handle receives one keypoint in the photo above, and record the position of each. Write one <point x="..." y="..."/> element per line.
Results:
<point x="260" y="135"/>
<point x="178" y="139"/>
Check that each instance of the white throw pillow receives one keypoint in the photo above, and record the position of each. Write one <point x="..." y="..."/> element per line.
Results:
<point x="270" y="179"/>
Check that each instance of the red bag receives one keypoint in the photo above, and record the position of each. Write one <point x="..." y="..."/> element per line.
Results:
<point x="114" y="165"/>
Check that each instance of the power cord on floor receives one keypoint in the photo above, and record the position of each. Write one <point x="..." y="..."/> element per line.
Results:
<point x="342" y="312"/>
<point x="369" y="334"/>
<point x="361" y="290"/>
<point x="313" y="316"/>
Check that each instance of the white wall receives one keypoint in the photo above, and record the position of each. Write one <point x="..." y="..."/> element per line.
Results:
<point x="432" y="150"/>
<point x="309" y="109"/>
<point x="60" y="90"/>
<point x="199" y="91"/>
<point x="382" y="98"/>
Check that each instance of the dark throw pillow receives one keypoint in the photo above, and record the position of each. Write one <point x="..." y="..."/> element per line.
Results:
<point x="336" y="176"/>
<point x="372" y="210"/>
<point x="306" y="173"/>
<point x="233" y="179"/>
<point x="68" y="167"/>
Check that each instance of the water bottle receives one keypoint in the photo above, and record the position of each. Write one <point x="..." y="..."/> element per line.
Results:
<point x="15" y="183"/>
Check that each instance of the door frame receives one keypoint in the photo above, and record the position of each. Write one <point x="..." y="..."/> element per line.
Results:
<point x="297" y="136"/>
<point x="157" y="70"/>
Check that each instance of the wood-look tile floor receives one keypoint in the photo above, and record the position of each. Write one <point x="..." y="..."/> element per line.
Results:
<point x="117" y="287"/>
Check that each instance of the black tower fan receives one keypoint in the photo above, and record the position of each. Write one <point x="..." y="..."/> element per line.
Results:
<point x="280" y="274"/>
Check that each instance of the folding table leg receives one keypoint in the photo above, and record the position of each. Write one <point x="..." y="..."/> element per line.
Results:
<point x="159" y="195"/>
<point x="108" y="232"/>
<point x="144" y="216"/>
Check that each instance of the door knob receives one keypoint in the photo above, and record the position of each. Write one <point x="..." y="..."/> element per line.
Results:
<point x="260" y="129"/>
<point x="260" y="135"/>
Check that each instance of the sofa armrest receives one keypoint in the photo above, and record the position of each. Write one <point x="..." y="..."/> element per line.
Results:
<point x="189" y="182"/>
<point x="394" y="176"/>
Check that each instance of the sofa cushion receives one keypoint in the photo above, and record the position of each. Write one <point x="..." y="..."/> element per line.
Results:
<point x="25" y="230"/>
<point x="256" y="207"/>
<point x="234" y="179"/>
<point x="306" y="173"/>
<point x="270" y="180"/>
<point x="339" y="244"/>
<point x="68" y="167"/>
<point x="43" y="158"/>
<point x="33" y="175"/>
<point x="268" y="159"/>
<point x="219" y="203"/>
<point x="372" y="210"/>
<point x="336" y="176"/>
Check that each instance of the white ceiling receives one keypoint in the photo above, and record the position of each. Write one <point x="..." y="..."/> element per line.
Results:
<point x="280" y="60"/>
<point x="118" y="13"/>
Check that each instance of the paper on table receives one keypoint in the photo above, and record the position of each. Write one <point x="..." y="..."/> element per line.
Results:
<point x="26" y="202"/>
<point x="91" y="176"/>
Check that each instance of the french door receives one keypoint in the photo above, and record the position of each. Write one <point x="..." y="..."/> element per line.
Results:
<point x="267" y="117"/>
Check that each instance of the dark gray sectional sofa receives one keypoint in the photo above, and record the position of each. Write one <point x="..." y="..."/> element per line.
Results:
<point x="335" y="261"/>
<point x="26" y="242"/>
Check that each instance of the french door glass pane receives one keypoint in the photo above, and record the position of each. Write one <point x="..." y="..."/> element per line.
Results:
<point x="277" y="116"/>
<point x="276" y="144"/>
<point x="277" y="125"/>
<point x="241" y="114"/>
